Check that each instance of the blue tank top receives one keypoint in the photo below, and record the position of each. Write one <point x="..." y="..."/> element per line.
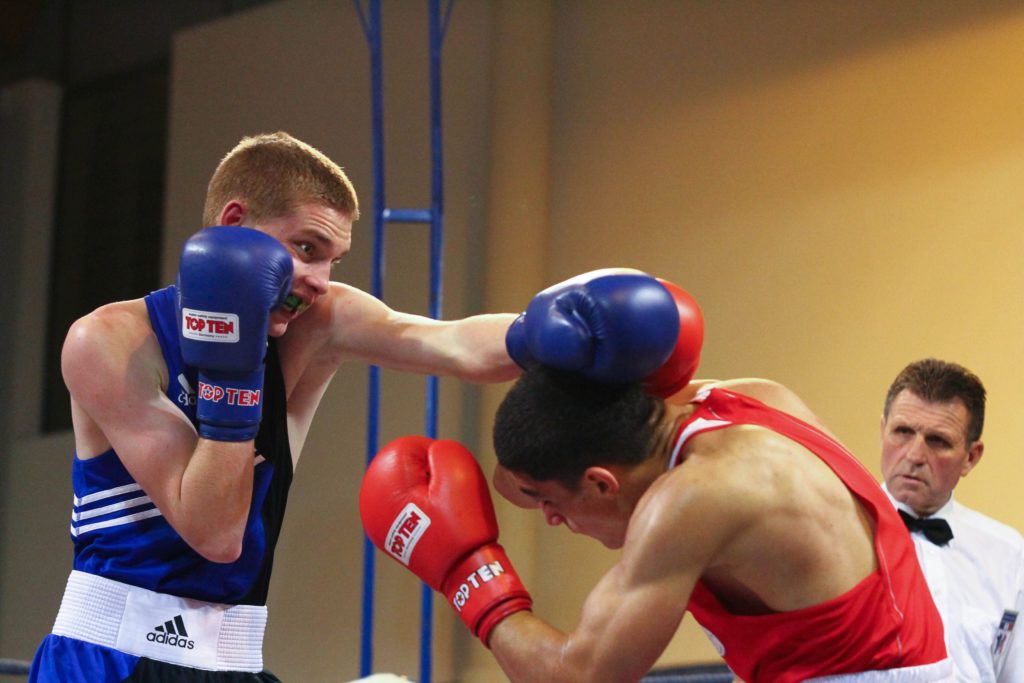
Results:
<point x="118" y="532"/>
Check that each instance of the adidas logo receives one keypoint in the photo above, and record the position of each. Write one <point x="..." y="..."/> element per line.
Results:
<point x="171" y="632"/>
<point x="187" y="396"/>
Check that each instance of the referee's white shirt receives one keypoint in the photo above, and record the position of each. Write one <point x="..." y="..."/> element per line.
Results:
<point x="977" y="582"/>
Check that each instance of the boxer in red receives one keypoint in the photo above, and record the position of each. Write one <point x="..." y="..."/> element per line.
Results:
<point x="730" y="500"/>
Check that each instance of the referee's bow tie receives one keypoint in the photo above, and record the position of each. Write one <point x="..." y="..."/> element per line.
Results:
<point x="935" y="530"/>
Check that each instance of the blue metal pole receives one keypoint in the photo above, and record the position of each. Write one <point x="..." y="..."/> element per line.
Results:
<point x="438" y="25"/>
<point x="372" y="29"/>
<point x="435" y="216"/>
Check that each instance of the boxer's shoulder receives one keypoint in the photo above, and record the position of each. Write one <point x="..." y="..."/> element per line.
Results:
<point x="766" y="391"/>
<point x="120" y="325"/>
<point x="723" y="471"/>
<point x="338" y="322"/>
<point x="349" y="304"/>
<point x="110" y="347"/>
<point x="706" y="491"/>
<point x="776" y="396"/>
<point x="317" y="342"/>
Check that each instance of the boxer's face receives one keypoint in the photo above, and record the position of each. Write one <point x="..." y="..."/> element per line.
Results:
<point x="317" y="237"/>
<point x="591" y="510"/>
<point x="925" y="450"/>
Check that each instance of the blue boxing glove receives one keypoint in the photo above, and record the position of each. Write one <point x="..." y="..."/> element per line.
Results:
<point x="229" y="280"/>
<point x="610" y="325"/>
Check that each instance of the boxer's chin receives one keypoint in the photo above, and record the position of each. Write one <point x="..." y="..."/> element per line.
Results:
<point x="278" y="323"/>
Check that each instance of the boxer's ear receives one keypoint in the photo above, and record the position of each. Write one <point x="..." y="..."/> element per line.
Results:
<point x="603" y="479"/>
<point x="233" y="213"/>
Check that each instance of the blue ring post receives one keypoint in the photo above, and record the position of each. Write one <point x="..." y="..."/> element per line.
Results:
<point x="373" y="38"/>
<point x="382" y="215"/>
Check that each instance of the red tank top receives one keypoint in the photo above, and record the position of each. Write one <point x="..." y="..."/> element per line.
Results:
<point x="886" y="621"/>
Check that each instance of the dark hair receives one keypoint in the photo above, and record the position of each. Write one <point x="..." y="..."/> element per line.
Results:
<point x="554" y="425"/>
<point x="938" y="381"/>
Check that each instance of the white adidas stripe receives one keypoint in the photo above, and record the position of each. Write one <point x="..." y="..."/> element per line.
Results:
<point x="116" y="521"/>
<point x="107" y="509"/>
<point x="100" y="495"/>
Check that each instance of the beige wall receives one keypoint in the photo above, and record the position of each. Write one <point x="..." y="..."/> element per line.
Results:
<point x="837" y="184"/>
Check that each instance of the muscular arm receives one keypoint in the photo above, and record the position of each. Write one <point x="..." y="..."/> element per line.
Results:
<point x="622" y="631"/>
<point x="363" y="327"/>
<point x="114" y="371"/>
<point x="633" y="612"/>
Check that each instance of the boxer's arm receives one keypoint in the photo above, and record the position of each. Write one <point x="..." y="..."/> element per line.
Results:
<point x="636" y="608"/>
<point x="114" y="373"/>
<point x="623" y="630"/>
<point x="360" y="326"/>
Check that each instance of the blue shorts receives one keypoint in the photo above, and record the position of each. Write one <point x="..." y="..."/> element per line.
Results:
<point x="65" y="660"/>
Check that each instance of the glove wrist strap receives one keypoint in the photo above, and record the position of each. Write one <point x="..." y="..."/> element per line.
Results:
<point x="229" y="405"/>
<point x="484" y="589"/>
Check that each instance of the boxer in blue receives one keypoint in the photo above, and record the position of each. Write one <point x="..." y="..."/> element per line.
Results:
<point x="190" y="408"/>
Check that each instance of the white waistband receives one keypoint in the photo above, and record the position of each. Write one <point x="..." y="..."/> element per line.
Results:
<point x="202" y="635"/>
<point x="938" y="672"/>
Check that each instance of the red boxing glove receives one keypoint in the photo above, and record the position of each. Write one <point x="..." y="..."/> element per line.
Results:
<point x="426" y="504"/>
<point x="680" y="367"/>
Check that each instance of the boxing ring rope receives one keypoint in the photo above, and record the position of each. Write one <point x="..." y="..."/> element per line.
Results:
<point x="434" y="216"/>
<point x="691" y="673"/>
<point x="13" y="667"/>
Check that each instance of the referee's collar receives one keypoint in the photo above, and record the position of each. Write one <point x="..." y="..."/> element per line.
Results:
<point x="946" y="512"/>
